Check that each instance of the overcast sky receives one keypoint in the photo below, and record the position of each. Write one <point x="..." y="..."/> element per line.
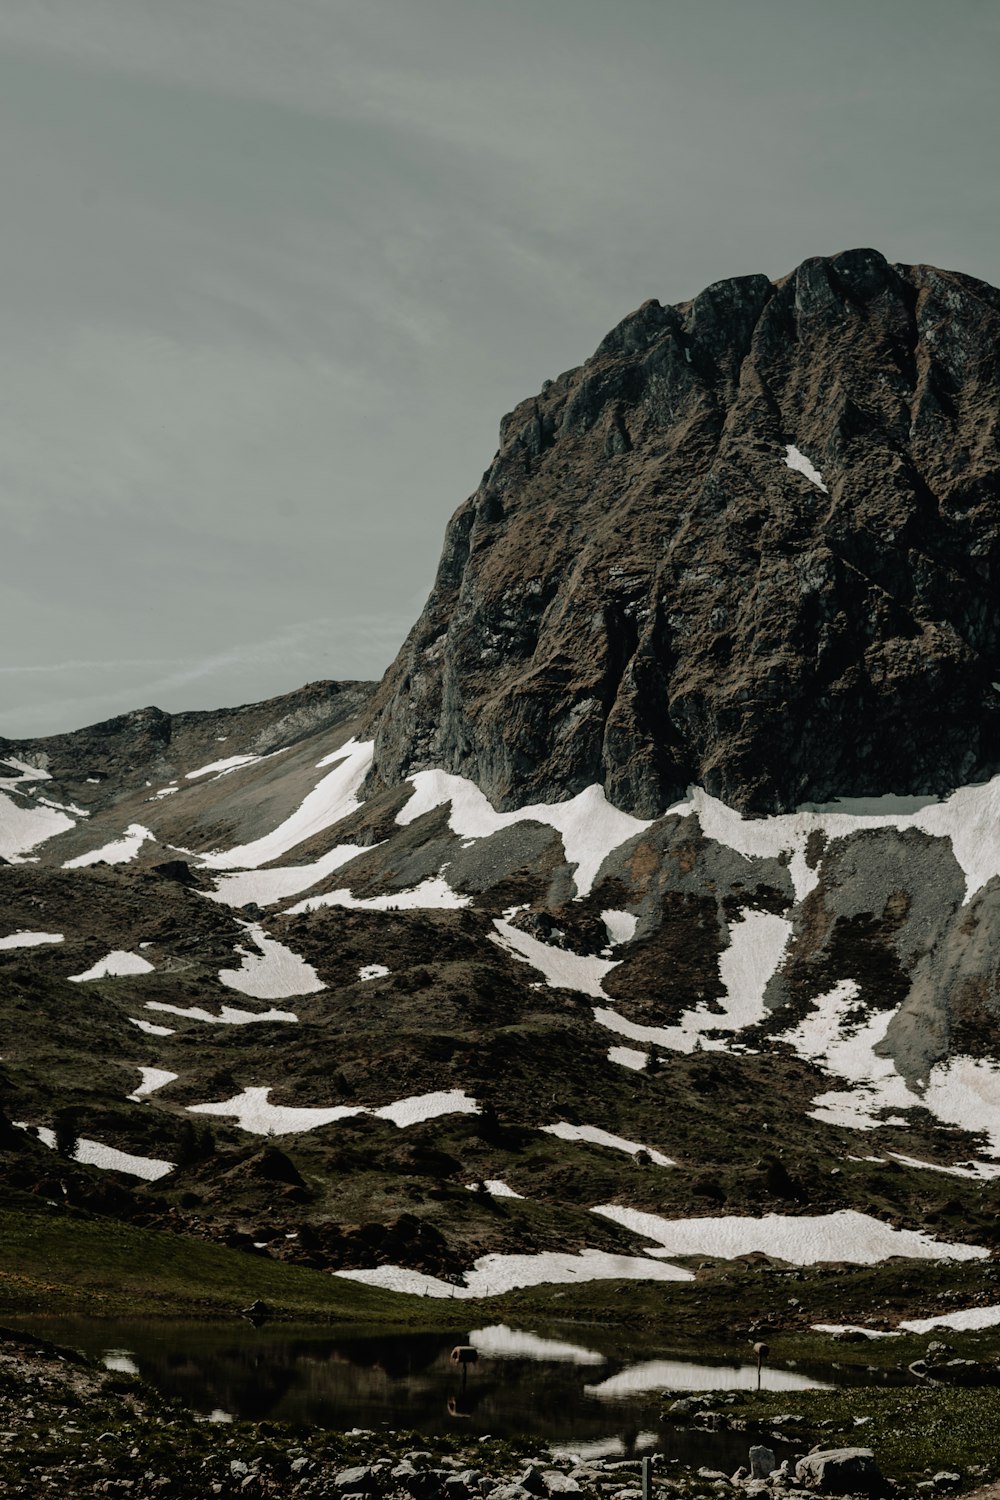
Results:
<point x="271" y="271"/>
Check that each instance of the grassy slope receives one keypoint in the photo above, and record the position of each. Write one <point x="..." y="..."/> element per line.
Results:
<point x="60" y="1261"/>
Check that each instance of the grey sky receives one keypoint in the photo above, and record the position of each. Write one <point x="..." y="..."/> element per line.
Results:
<point x="273" y="270"/>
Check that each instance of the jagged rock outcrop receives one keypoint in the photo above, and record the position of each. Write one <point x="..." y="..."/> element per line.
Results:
<point x="644" y="594"/>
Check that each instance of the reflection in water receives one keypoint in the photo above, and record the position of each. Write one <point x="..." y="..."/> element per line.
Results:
<point x="526" y="1383"/>
<point x="501" y="1342"/>
<point x="686" y="1375"/>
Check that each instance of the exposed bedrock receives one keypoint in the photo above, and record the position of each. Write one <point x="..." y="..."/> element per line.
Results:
<point x="643" y="593"/>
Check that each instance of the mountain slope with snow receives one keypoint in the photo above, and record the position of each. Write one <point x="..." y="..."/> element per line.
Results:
<point x="364" y="1011"/>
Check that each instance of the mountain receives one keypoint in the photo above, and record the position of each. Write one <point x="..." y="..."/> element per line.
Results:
<point x="648" y="910"/>
<point x="751" y="544"/>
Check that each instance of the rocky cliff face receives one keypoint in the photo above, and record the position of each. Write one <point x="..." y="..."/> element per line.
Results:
<point x="644" y="592"/>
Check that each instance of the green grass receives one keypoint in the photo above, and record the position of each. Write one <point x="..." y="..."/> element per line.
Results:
<point x="914" y="1433"/>
<point x="59" y="1261"/>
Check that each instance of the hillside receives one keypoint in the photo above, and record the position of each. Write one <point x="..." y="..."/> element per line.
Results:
<point x="645" y="914"/>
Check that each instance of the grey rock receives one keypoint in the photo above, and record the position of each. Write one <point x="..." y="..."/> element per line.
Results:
<point x="762" y="1461"/>
<point x="560" y="1484"/>
<point x="687" y="1406"/>
<point x="532" y="1481"/>
<point x="946" y="1479"/>
<point x="361" y="1480"/>
<point x="841" y="1471"/>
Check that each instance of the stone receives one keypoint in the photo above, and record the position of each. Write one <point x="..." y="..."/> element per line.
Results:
<point x="360" y="1480"/>
<point x="561" y="1484"/>
<point x="532" y="1481"/>
<point x="686" y="1407"/>
<point x="946" y="1479"/>
<point x="841" y="1471"/>
<point x="762" y="1461"/>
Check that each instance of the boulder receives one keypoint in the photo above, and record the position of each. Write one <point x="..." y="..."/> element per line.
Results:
<point x="762" y="1461"/>
<point x="841" y="1471"/>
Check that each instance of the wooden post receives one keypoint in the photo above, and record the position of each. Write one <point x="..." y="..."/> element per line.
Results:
<point x="647" y="1479"/>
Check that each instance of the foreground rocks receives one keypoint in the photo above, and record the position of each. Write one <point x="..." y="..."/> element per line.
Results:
<point x="72" y="1428"/>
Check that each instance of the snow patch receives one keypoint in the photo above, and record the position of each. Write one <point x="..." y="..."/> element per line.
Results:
<point x="372" y="971"/>
<point x="801" y="1240"/>
<point x="968" y="1318"/>
<point x="494" y="1187"/>
<point x="150" y="1029"/>
<point x="113" y="966"/>
<point x="274" y="973"/>
<point x="493" y="1275"/>
<point x="95" y="1154"/>
<point x="962" y="1091"/>
<point x="228" y="1015"/>
<point x="590" y="827"/>
<point x="757" y="941"/>
<point x="118" y="852"/>
<point x="628" y="1057"/>
<point x="969" y="818"/>
<point x="29" y="939"/>
<point x="421" y="1107"/>
<point x="265" y="887"/>
<point x="331" y="800"/>
<point x="798" y="461"/>
<point x="230" y="764"/>
<point x="255" y="1114"/>
<point x="431" y="894"/>
<point x="121" y="1361"/>
<point x="620" y="926"/>
<point x="24" y="828"/>
<point x="25" y="773"/>
<point x="563" y="969"/>
<point x="594" y="1136"/>
<point x="150" y="1079"/>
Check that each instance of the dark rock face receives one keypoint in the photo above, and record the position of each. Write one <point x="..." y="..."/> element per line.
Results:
<point x="643" y="594"/>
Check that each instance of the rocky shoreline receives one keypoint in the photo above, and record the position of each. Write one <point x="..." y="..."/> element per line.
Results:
<point x="73" y="1428"/>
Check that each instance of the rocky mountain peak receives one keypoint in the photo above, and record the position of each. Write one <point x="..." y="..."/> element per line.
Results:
<point x="752" y="543"/>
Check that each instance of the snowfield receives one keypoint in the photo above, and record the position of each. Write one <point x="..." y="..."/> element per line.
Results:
<point x="801" y="1240"/>
<point x="331" y="800"/>
<point x="273" y="973"/>
<point x="24" y="828"/>
<point x="492" y="1275"/>
<point x="590" y="828"/>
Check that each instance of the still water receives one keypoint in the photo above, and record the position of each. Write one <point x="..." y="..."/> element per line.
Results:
<point x="586" y="1391"/>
